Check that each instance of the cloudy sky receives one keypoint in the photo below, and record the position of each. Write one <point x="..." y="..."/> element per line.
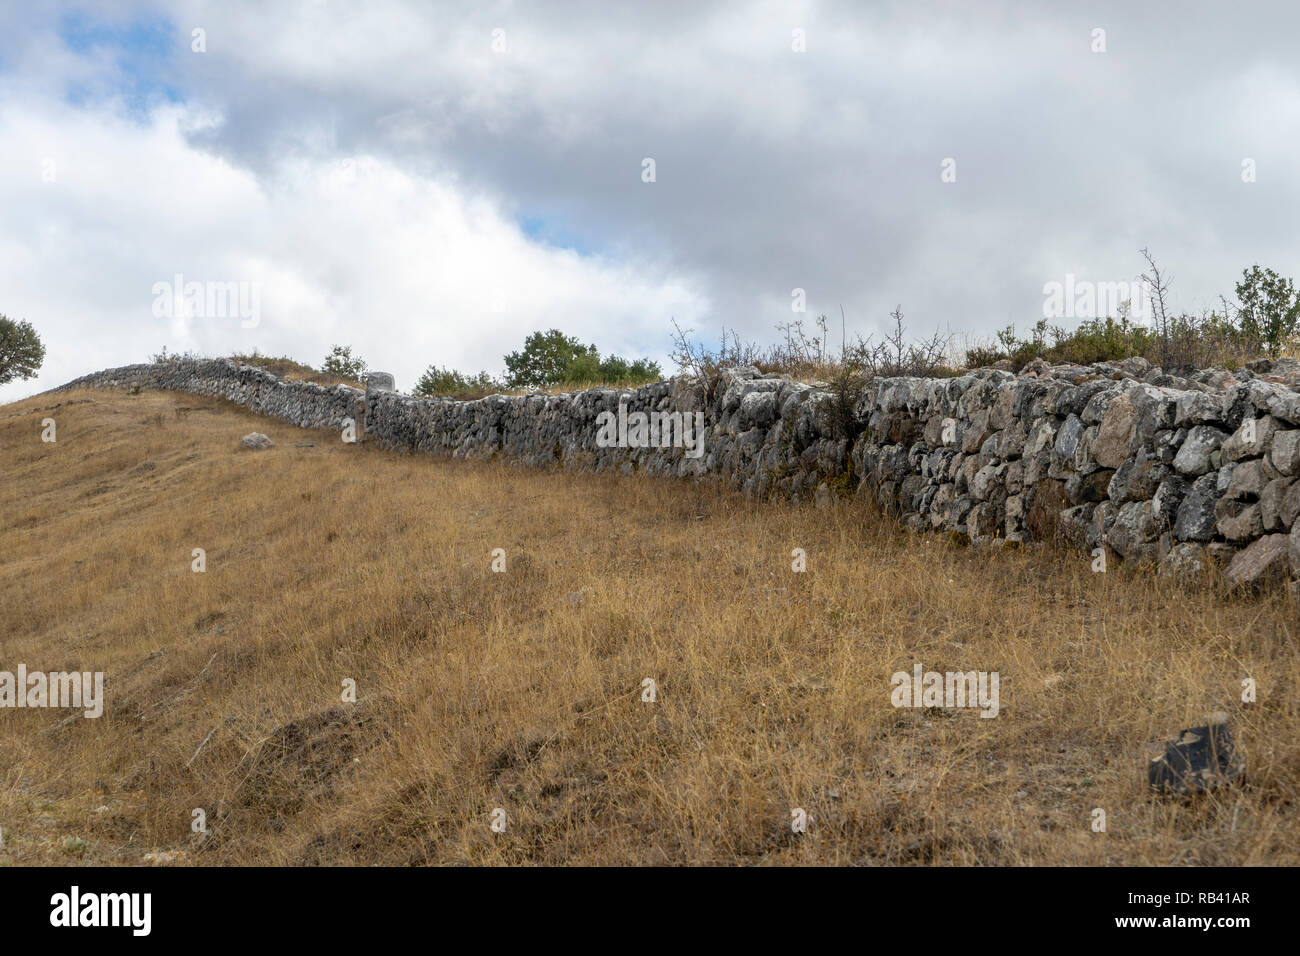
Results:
<point x="431" y="181"/>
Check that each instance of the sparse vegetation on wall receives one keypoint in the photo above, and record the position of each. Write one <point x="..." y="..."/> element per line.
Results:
<point x="1261" y="324"/>
<point x="448" y="383"/>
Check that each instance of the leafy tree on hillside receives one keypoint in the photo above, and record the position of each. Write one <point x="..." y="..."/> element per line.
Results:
<point x="544" y="359"/>
<point x="1270" y="308"/>
<point x="21" y="351"/>
<point x="340" y="362"/>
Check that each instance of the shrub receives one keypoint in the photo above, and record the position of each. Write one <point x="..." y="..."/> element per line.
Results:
<point x="804" y="354"/>
<point x="448" y="383"/>
<point x="341" y="362"/>
<point x="166" y="358"/>
<point x="588" y="369"/>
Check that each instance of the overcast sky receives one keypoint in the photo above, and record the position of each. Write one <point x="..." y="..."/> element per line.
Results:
<point x="429" y="182"/>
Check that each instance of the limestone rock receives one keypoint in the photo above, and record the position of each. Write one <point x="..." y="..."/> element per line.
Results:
<point x="1239" y="522"/>
<point x="1114" y="437"/>
<point x="1251" y="440"/>
<point x="1185" y="563"/>
<point x="1247" y="481"/>
<point x="1196" y="519"/>
<point x="1167" y="498"/>
<point x="1067" y="438"/>
<point x="1136" y="480"/>
<point x="1273" y="506"/>
<point x="1134" y="533"/>
<point x="1201" y="442"/>
<point x="1284" y="452"/>
<point x="1266" y="561"/>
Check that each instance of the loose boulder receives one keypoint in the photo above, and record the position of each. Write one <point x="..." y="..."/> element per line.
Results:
<point x="1201" y="759"/>
<point x="1264" y="562"/>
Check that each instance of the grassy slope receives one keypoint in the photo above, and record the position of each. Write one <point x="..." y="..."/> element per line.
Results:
<point x="481" y="690"/>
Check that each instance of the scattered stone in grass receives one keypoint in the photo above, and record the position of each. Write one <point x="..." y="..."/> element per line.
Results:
<point x="1201" y="759"/>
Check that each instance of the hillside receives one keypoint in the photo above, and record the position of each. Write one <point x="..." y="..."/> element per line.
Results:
<point x="522" y="690"/>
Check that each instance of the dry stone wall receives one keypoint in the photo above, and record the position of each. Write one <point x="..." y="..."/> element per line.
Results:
<point x="1185" y="471"/>
<point x="300" y="403"/>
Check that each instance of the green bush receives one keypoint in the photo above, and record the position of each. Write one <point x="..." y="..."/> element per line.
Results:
<point x="340" y="362"/>
<point x="448" y="383"/>
<point x="588" y="369"/>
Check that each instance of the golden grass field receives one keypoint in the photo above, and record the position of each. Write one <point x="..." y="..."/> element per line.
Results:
<point x="522" y="690"/>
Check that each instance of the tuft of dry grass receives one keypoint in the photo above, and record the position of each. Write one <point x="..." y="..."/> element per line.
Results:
<point x="522" y="690"/>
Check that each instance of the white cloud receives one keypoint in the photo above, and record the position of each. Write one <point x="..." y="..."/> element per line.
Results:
<point x="408" y="270"/>
<point x="776" y="169"/>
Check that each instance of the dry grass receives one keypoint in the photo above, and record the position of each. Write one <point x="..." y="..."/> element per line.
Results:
<point x="480" y="690"/>
<point x="293" y="371"/>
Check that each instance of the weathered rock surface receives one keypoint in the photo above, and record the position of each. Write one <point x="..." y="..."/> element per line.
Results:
<point x="1265" y="561"/>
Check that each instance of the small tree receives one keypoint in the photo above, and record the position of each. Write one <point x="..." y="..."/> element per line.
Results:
<point x="1158" y="284"/>
<point x="21" y="351"/>
<point x="1270" y="308"/>
<point x="341" y="363"/>
<point x="545" y="359"/>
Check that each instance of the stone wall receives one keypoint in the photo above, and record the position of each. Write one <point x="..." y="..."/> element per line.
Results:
<point x="300" y="403"/>
<point x="1187" y="472"/>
